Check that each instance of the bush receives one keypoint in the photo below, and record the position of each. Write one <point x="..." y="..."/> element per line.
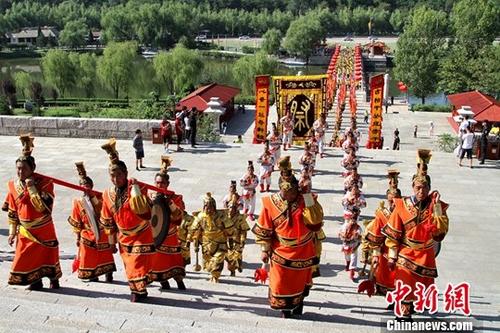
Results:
<point x="206" y="130"/>
<point x="61" y="113"/>
<point x="249" y="49"/>
<point x="90" y="108"/>
<point x="4" y="106"/>
<point x="447" y="142"/>
<point x="432" y="108"/>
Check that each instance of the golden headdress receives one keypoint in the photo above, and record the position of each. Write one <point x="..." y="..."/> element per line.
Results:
<point x="393" y="175"/>
<point x="110" y="148"/>
<point x="234" y="197"/>
<point x="27" y="143"/>
<point x="287" y="179"/>
<point x="166" y="162"/>
<point x="423" y="159"/>
<point x="208" y="200"/>
<point x="114" y="160"/>
<point x="82" y="173"/>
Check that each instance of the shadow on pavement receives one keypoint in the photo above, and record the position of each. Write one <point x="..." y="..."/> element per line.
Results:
<point x="239" y="123"/>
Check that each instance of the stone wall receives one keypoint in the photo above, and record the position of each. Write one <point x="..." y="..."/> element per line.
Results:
<point x="97" y="128"/>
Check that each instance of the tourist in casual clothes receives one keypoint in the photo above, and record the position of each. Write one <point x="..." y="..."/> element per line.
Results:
<point x="397" y="141"/>
<point x="187" y="127"/>
<point x="484" y="141"/>
<point x="179" y="129"/>
<point x="192" y="124"/>
<point x="166" y="134"/>
<point x="139" y="149"/>
<point x="467" y="144"/>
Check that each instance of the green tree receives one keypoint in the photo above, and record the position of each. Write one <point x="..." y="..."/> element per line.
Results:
<point x="23" y="82"/>
<point x="115" y="66"/>
<point x="303" y="35"/>
<point x="59" y="70"/>
<point x="178" y="69"/>
<point x="36" y="94"/>
<point x="164" y="67"/>
<point x="397" y="20"/>
<point x="472" y="61"/>
<point x="246" y="68"/>
<point x="272" y="41"/>
<point x="419" y="50"/>
<point x="74" y="34"/>
<point x="86" y="73"/>
<point x="475" y="23"/>
<point x="118" y="24"/>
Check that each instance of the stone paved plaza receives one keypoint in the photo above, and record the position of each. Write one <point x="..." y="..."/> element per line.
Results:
<point x="469" y="252"/>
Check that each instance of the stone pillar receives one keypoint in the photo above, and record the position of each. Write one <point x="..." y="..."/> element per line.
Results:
<point x="215" y="110"/>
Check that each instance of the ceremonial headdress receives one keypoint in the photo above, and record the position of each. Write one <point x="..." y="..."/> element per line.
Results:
<point x="233" y="185"/>
<point x="287" y="180"/>
<point x="392" y="175"/>
<point x="423" y="159"/>
<point x="114" y="160"/>
<point x="166" y="162"/>
<point x="82" y="173"/>
<point x="250" y="165"/>
<point x="27" y="143"/>
<point x="209" y="201"/>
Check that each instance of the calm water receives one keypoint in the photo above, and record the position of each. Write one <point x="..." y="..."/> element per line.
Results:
<point x="215" y="70"/>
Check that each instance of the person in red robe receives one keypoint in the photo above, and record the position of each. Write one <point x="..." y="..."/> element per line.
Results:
<point x="384" y="278"/>
<point x="30" y="199"/>
<point x="168" y="262"/>
<point x="416" y="225"/>
<point x="125" y="216"/>
<point x="94" y="251"/>
<point x="286" y="232"/>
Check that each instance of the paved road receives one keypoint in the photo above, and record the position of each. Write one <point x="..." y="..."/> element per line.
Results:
<point x="238" y="304"/>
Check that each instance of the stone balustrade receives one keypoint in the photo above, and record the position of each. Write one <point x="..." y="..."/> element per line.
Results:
<point x="98" y="128"/>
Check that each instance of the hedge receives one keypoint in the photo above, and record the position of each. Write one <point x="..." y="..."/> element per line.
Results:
<point x="431" y="107"/>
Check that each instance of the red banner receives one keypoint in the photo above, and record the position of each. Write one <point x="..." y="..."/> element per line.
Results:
<point x="261" y="107"/>
<point x="376" y="100"/>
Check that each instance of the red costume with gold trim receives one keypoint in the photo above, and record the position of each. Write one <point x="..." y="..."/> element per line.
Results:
<point x="168" y="262"/>
<point x="96" y="258"/>
<point x="384" y="278"/>
<point x="412" y="232"/>
<point x="128" y="216"/>
<point x="37" y="248"/>
<point x="289" y="233"/>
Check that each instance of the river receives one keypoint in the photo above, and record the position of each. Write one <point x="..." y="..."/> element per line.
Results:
<point x="142" y="74"/>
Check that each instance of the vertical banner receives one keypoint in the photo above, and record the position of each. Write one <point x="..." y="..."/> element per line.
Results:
<point x="305" y="98"/>
<point x="376" y="103"/>
<point x="261" y="107"/>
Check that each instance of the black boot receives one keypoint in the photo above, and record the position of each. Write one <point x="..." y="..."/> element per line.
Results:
<point x="165" y="285"/>
<point x="54" y="284"/>
<point x="109" y="277"/>
<point x="38" y="285"/>
<point x="298" y="310"/>
<point x="138" y="298"/>
<point x="286" y="314"/>
<point x="180" y="284"/>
